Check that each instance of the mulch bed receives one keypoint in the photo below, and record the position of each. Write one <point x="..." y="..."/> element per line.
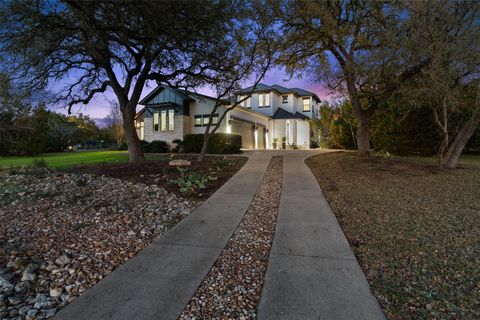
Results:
<point x="158" y="172"/>
<point x="232" y="288"/>
<point x="415" y="230"/>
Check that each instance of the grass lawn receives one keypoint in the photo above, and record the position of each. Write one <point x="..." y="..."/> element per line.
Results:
<point x="70" y="159"/>
<point x="415" y="230"/>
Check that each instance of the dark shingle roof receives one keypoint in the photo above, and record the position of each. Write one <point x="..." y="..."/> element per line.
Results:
<point x="284" y="114"/>
<point x="280" y="89"/>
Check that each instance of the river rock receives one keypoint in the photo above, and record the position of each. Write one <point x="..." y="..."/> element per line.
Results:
<point x="62" y="260"/>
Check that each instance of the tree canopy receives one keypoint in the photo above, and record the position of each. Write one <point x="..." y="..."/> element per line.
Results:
<point x="83" y="48"/>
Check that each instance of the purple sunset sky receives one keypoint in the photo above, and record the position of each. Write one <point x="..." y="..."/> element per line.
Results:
<point x="99" y="106"/>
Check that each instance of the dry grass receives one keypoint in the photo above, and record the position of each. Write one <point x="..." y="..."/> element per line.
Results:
<point x="414" y="229"/>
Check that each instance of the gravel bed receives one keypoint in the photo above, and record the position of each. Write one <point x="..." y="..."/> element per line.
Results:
<point x="232" y="288"/>
<point x="60" y="233"/>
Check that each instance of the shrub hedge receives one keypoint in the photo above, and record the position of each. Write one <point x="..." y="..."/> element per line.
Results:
<point x="219" y="143"/>
<point x="156" y="146"/>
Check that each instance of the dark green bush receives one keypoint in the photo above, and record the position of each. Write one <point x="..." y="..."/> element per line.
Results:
<point x="235" y="141"/>
<point x="159" y="146"/>
<point x="230" y="149"/>
<point x="219" y="143"/>
<point x="192" y="143"/>
<point x="145" y="146"/>
<point x="123" y="146"/>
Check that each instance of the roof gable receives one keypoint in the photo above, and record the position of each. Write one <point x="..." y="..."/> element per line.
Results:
<point x="164" y="94"/>
<point x="261" y="87"/>
<point x="284" y="114"/>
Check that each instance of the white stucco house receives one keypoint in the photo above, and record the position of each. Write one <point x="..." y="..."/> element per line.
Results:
<point x="271" y="113"/>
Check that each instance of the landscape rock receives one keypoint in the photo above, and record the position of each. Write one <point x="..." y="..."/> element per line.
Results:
<point x="21" y="287"/>
<point x="180" y="163"/>
<point x="55" y="292"/>
<point x="28" y="276"/>
<point x="6" y="287"/>
<point x="62" y="260"/>
<point x="99" y="223"/>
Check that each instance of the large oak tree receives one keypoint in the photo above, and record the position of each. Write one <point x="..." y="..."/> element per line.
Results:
<point x="84" y="48"/>
<point x="350" y="45"/>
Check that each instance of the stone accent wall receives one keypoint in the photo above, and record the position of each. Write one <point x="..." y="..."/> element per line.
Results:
<point x="168" y="136"/>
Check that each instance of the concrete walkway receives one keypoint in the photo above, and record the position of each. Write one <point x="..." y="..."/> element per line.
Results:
<point x="160" y="280"/>
<point x="312" y="272"/>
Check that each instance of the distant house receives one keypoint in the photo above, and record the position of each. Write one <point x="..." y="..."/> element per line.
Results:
<point x="272" y="112"/>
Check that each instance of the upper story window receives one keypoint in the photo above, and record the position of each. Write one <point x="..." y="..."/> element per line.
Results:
<point x="264" y="100"/>
<point x="284" y="99"/>
<point x="306" y="104"/>
<point x="245" y="103"/>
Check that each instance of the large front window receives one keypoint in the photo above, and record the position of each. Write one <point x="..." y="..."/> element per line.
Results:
<point x="171" y="120"/>
<point x="142" y="130"/>
<point x="306" y="104"/>
<point x="155" y="121"/>
<point x="264" y="100"/>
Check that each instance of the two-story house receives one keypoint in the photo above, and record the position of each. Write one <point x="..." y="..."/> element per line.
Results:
<point x="270" y="114"/>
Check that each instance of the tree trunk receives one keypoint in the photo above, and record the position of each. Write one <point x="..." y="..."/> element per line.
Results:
<point x="363" y="137"/>
<point x="133" y="142"/>
<point x="456" y="147"/>
<point x="201" y="156"/>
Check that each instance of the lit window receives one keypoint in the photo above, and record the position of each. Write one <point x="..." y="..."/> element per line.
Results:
<point x="205" y="119"/>
<point x="215" y="119"/>
<point x="163" y="120"/>
<point x="142" y="130"/>
<point x="246" y="103"/>
<point x="306" y="104"/>
<point x="155" y="121"/>
<point x="198" y="121"/>
<point x="284" y="99"/>
<point x="171" y="120"/>
<point x="263" y="100"/>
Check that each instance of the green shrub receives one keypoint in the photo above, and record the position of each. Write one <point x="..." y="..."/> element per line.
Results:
<point x="123" y="145"/>
<point x="222" y="163"/>
<point x="192" y="143"/>
<point x="236" y="141"/>
<point x="193" y="182"/>
<point x="231" y="149"/>
<point x="159" y="146"/>
<point x="219" y="143"/>
<point x="145" y="146"/>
